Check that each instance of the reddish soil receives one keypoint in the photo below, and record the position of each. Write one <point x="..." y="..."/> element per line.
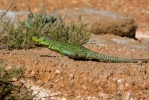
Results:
<point x="91" y="80"/>
<point x="78" y="79"/>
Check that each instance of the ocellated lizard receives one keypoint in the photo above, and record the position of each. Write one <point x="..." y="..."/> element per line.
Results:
<point x="78" y="51"/>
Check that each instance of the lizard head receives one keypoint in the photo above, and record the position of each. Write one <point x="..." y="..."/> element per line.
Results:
<point x="41" y="40"/>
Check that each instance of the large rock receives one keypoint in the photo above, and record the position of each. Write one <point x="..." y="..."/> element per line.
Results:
<point x="102" y="22"/>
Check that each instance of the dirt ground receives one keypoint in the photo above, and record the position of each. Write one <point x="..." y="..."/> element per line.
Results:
<point x="88" y="80"/>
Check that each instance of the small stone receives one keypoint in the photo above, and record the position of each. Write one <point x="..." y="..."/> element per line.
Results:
<point x="84" y="87"/>
<point x="127" y="96"/>
<point x="71" y="76"/>
<point x="14" y="79"/>
<point x="57" y="71"/>
<point x="8" y="68"/>
<point x="63" y="99"/>
<point x="40" y="83"/>
<point x="32" y="73"/>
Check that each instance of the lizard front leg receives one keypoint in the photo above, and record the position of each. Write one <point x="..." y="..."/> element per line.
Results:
<point x="56" y="50"/>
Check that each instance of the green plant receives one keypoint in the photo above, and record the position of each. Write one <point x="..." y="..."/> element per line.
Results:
<point x="20" y="37"/>
<point x="38" y="24"/>
<point x="71" y="32"/>
<point x="10" y="91"/>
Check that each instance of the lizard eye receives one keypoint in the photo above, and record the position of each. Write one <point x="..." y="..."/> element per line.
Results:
<point x="44" y="39"/>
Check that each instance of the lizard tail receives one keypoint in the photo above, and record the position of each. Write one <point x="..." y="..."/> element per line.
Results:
<point x="105" y="58"/>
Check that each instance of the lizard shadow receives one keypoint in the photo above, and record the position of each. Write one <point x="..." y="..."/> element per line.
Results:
<point x="83" y="59"/>
<point x="75" y="59"/>
<point x="46" y="56"/>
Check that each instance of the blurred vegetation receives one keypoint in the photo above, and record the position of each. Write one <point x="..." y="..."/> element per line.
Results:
<point x="40" y="24"/>
<point x="8" y="89"/>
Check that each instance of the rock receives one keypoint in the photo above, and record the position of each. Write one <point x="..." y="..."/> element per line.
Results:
<point x="102" y="22"/>
<point x="12" y="16"/>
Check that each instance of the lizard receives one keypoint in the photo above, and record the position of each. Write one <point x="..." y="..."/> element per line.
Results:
<point x="76" y="51"/>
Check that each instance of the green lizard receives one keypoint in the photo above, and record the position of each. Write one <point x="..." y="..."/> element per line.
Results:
<point x="78" y="51"/>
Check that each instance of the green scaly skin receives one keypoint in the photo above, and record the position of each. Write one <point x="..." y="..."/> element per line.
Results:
<point x="78" y="51"/>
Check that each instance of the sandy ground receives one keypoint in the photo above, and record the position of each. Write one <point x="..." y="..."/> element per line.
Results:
<point x="88" y="80"/>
